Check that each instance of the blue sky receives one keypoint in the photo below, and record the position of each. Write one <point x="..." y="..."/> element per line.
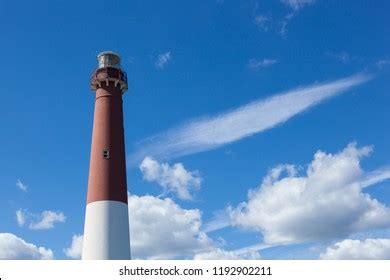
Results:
<point x="224" y="97"/>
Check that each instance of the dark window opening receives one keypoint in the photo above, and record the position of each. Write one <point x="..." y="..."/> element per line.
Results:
<point x="106" y="153"/>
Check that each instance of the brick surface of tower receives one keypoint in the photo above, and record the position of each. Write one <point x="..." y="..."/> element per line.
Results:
<point x="106" y="229"/>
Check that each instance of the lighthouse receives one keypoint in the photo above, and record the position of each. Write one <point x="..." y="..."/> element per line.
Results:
<point x="106" y="228"/>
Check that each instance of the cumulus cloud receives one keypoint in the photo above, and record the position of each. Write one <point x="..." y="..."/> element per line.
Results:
<point x="212" y="132"/>
<point x="325" y="203"/>
<point x="161" y="229"/>
<point x="297" y="4"/>
<point x="174" y="179"/>
<point x="20" y="217"/>
<point x="21" y="186"/>
<point x="75" y="248"/>
<point x="162" y="60"/>
<point x="15" y="248"/>
<point x="369" y="249"/>
<point x="256" y="64"/>
<point x="47" y="219"/>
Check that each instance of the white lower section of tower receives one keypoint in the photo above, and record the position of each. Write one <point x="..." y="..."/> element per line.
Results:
<point x="106" y="231"/>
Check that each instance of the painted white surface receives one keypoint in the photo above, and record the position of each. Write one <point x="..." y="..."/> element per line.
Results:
<point x="106" y="231"/>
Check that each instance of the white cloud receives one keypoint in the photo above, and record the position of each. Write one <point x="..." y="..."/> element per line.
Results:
<point x="297" y="4"/>
<point x="174" y="179"/>
<point x="265" y="22"/>
<point x="21" y="186"/>
<point x="383" y="62"/>
<point x="221" y="220"/>
<point x="245" y="253"/>
<point x="326" y="203"/>
<point x="20" y="217"/>
<point x="75" y="249"/>
<point x="256" y="64"/>
<point x="15" y="248"/>
<point x="47" y="220"/>
<point x="286" y="20"/>
<point x="343" y="56"/>
<point x="262" y="22"/>
<point x="161" y="229"/>
<point x="376" y="177"/>
<point x="162" y="60"/>
<point x="369" y="249"/>
<point x="212" y="132"/>
<point x="220" y="254"/>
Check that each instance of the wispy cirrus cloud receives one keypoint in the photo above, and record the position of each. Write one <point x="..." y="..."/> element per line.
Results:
<point x="162" y="60"/>
<point x="342" y="56"/>
<point x="262" y="22"/>
<point x="376" y="177"/>
<point x="265" y="21"/>
<point x="382" y="62"/>
<point x="256" y="64"/>
<point x="298" y="4"/>
<point x="212" y="132"/>
<point x="295" y="5"/>
<point x="21" y="186"/>
<point x="221" y="254"/>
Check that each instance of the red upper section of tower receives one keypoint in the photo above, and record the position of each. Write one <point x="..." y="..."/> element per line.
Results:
<point x="107" y="172"/>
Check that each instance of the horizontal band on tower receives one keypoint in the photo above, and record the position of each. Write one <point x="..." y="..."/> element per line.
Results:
<point x="109" y="74"/>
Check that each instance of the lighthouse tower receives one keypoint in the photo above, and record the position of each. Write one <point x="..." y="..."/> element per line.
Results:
<point x="106" y="229"/>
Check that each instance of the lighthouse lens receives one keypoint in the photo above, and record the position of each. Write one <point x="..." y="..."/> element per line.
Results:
<point x="109" y="59"/>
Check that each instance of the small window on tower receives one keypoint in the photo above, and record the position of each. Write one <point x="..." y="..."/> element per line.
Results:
<point x="106" y="153"/>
